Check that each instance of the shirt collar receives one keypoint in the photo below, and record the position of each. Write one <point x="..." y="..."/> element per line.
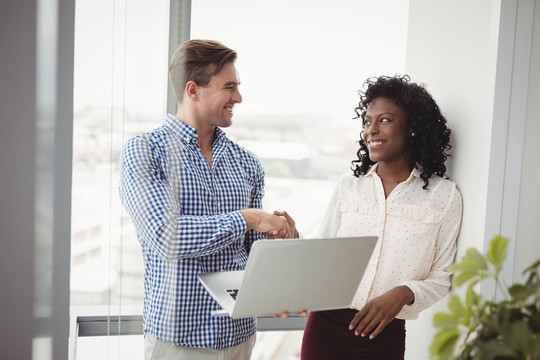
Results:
<point x="415" y="173"/>
<point x="186" y="132"/>
<point x="372" y="169"/>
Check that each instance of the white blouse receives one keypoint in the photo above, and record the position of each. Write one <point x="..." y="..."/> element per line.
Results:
<point x="417" y="232"/>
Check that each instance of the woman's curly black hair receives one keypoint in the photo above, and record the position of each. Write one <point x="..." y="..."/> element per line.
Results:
<point x="430" y="145"/>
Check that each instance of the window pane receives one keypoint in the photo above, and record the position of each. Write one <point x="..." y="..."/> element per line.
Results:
<point x="120" y="90"/>
<point x="129" y="347"/>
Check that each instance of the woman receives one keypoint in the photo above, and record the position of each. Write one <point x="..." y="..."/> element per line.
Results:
<point x="398" y="192"/>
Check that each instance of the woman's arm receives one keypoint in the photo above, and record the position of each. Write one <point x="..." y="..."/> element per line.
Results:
<point x="439" y="280"/>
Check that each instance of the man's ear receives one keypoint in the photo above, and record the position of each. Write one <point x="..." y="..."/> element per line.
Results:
<point x="191" y="90"/>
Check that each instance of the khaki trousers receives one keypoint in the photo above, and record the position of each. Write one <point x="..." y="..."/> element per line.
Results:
<point x="159" y="350"/>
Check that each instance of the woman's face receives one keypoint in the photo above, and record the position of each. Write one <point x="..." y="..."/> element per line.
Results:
<point x="386" y="131"/>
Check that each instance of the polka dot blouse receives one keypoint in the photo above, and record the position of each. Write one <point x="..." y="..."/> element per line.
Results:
<point x="417" y="232"/>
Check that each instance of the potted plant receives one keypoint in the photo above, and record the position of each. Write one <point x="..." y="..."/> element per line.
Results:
<point x="476" y="328"/>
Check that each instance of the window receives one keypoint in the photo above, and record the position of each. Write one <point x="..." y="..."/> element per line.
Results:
<point x="111" y="104"/>
<point x="120" y="89"/>
<point x="300" y="63"/>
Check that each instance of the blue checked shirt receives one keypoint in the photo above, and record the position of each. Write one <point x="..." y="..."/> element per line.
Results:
<point x="187" y="219"/>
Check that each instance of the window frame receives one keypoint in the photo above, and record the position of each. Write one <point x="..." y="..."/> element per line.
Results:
<point x="103" y="325"/>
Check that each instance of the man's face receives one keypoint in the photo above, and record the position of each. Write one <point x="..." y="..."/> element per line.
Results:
<point x="217" y="99"/>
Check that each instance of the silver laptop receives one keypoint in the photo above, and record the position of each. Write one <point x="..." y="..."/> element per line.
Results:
<point x="292" y="275"/>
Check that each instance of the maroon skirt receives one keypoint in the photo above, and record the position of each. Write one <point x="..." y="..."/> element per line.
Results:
<point x="327" y="337"/>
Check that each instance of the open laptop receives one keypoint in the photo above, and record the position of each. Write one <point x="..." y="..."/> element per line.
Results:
<point x="292" y="275"/>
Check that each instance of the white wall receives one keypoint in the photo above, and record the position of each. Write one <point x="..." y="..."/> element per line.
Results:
<point x="449" y="49"/>
<point x="528" y="237"/>
<point x="456" y="64"/>
<point x="465" y="51"/>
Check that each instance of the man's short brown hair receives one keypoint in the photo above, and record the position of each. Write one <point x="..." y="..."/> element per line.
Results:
<point x="198" y="61"/>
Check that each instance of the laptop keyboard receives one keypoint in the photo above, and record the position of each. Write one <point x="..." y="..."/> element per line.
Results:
<point x="233" y="293"/>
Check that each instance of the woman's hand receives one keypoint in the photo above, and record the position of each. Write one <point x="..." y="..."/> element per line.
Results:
<point x="378" y="312"/>
<point x="290" y="221"/>
<point x="274" y="225"/>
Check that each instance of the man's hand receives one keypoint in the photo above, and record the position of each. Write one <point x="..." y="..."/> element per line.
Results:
<point x="266" y="223"/>
<point x="378" y="312"/>
<point x="291" y="223"/>
<point x="285" y="314"/>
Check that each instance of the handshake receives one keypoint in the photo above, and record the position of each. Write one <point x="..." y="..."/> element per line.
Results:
<point x="279" y="224"/>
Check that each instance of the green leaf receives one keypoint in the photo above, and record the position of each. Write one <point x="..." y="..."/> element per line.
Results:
<point x="521" y="293"/>
<point x="447" y="351"/>
<point x="445" y="321"/>
<point x="465" y="276"/>
<point x="516" y="289"/>
<point x="455" y="306"/>
<point x="493" y="349"/>
<point x="534" y="320"/>
<point x="443" y="340"/>
<point x="489" y="330"/>
<point x="497" y="251"/>
<point x="519" y="337"/>
<point x="473" y="261"/>
<point x="471" y="297"/>
<point x="532" y="267"/>
<point x="536" y="350"/>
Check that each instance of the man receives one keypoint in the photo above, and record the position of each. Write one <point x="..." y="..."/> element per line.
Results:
<point x="195" y="199"/>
